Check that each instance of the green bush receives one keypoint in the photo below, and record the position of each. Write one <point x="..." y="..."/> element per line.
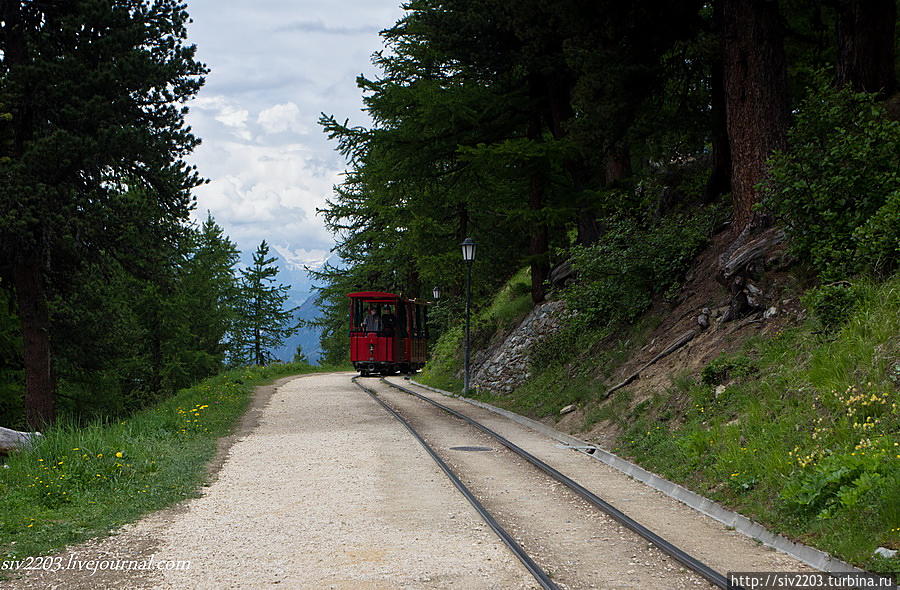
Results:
<point x="555" y="349"/>
<point x="726" y="368"/>
<point x="841" y="481"/>
<point x="835" y="188"/>
<point x="635" y="261"/>
<point x="831" y="304"/>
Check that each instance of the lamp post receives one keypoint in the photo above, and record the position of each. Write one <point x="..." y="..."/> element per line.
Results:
<point x="436" y="293"/>
<point x="468" y="252"/>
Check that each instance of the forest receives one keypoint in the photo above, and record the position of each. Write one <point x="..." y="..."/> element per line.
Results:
<point x="111" y="298"/>
<point x="610" y="141"/>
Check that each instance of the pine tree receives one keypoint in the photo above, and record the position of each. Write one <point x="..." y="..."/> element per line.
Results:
<point x="263" y="322"/>
<point x="209" y="290"/>
<point x="94" y="90"/>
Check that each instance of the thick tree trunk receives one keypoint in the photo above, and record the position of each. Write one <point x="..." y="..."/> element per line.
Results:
<point x="756" y="96"/>
<point x="865" y="41"/>
<point x="618" y="165"/>
<point x="719" y="181"/>
<point x="540" y="267"/>
<point x="31" y="297"/>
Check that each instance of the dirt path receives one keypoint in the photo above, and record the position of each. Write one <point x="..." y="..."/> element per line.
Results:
<point x="327" y="492"/>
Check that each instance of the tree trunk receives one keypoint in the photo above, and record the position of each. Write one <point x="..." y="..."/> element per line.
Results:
<point x="719" y="181"/>
<point x="539" y="242"/>
<point x="31" y="297"/>
<point x="755" y="79"/>
<point x="540" y="268"/>
<point x="618" y="165"/>
<point x="865" y="42"/>
<point x="257" y="347"/>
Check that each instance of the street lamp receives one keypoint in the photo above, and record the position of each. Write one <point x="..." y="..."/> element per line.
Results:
<point x="468" y="252"/>
<point x="436" y="293"/>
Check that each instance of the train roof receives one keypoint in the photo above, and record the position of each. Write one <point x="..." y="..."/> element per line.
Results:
<point x="373" y="295"/>
<point x="380" y="295"/>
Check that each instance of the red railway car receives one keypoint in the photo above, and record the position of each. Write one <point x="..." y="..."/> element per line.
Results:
<point x="388" y="333"/>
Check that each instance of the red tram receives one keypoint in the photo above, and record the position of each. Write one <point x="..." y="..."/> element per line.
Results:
<point x="388" y="333"/>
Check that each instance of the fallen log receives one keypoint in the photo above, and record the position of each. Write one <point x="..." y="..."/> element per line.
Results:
<point x="11" y="440"/>
<point x="679" y="342"/>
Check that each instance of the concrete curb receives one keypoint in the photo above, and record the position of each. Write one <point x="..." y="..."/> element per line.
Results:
<point x="813" y="557"/>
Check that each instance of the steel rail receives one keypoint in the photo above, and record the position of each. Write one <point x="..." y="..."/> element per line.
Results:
<point x="673" y="551"/>
<point x="533" y="568"/>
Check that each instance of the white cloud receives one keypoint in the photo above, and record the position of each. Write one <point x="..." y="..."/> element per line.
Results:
<point x="281" y="118"/>
<point x="233" y="116"/>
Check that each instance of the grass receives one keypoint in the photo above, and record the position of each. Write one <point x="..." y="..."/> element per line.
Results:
<point x="80" y="482"/>
<point x="805" y="437"/>
<point x="570" y="367"/>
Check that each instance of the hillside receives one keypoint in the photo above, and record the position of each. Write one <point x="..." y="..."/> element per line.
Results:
<point x="779" y="415"/>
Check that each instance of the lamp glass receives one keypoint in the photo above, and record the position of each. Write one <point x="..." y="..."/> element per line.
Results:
<point x="436" y="292"/>
<point x="468" y="249"/>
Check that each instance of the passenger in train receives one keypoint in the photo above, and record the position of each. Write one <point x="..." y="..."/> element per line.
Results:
<point x="372" y="321"/>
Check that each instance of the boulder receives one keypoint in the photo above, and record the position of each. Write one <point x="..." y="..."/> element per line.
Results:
<point x="11" y="440"/>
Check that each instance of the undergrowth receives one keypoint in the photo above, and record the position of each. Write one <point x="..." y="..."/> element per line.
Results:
<point x="805" y="435"/>
<point x="77" y="482"/>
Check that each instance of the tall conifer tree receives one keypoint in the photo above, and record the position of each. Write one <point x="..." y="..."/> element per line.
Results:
<point x="263" y="322"/>
<point x="93" y="88"/>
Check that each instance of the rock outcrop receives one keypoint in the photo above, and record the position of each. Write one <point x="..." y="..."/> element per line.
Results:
<point x="504" y="365"/>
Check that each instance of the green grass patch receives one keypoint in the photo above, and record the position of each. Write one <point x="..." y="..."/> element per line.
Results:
<point x="80" y="482"/>
<point x="805" y="436"/>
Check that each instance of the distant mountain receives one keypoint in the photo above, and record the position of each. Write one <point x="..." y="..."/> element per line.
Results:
<point x="306" y="337"/>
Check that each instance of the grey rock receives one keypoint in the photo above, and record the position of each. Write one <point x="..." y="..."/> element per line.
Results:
<point x="703" y="320"/>
<point x="770" y="313"/>
<point x="720" y="389"/>
<point x="753" y="289"/>
<point x="885" y="552"/>
<point x="567" y="409"/>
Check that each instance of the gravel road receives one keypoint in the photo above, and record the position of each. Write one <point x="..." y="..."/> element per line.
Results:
<point x="328" y="491"/>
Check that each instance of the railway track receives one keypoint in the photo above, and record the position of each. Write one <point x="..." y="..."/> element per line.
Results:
<point x="595" y="501"/>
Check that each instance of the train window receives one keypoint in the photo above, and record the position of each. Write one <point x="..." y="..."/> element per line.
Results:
<point x="356" y="314"/>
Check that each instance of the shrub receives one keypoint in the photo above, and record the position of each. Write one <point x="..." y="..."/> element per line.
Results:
<point x="726" y="368"/>
<point x="838" y="482"/>
<point x="634" y="261"/>
<point x="831" y="304"/>
<point x="835" y="189"/>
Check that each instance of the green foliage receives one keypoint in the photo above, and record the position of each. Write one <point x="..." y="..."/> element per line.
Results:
<point x="633" y="262"/>
<point x="555" y="349"/>
<point x="840" y="482"/>
<point x="831" y="304"/>
<point x="727" y="367"/>
<point x="445" y="361"/>
<point x="835" y="188"/>
<point x="79" y="481"/>
<point x="262" y="321"/>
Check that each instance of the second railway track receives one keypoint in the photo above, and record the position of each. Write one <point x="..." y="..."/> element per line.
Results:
<point x="592" y="541"/>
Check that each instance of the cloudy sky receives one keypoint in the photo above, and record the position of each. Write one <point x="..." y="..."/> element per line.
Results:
<point x="276" y="65"/>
